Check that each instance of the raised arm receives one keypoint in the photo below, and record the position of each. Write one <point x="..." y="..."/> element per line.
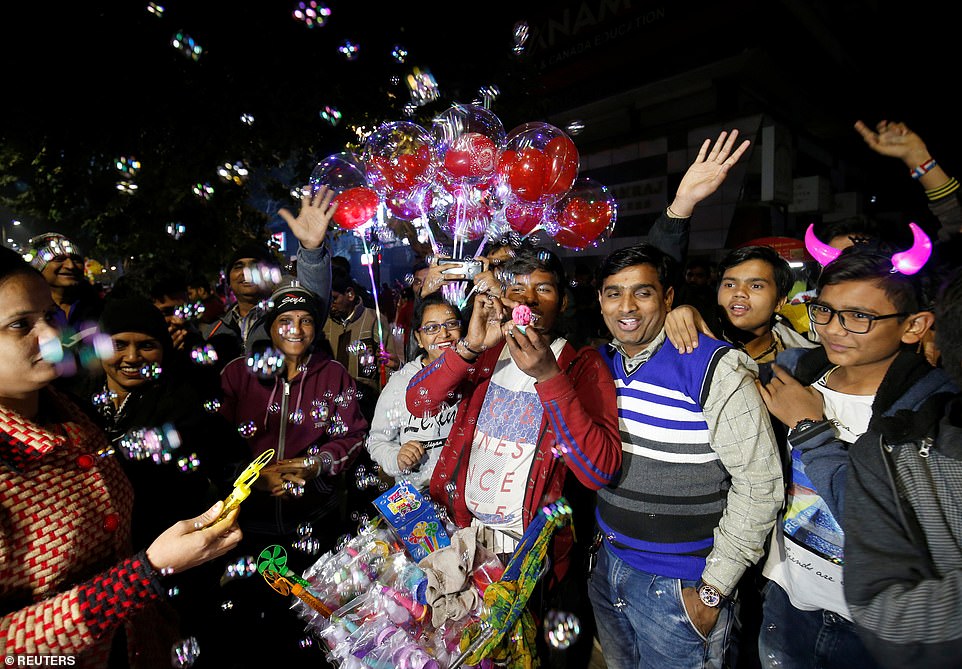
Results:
<point x="672" y="229"/>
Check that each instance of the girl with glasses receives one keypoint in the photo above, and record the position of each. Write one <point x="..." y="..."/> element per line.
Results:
<point x="403" y="444"/>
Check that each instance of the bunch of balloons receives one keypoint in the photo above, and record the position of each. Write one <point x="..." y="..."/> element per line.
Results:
<point x="470" y="178"/>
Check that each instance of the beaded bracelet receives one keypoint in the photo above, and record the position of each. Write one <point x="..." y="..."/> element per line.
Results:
<point x="924" y="168"/>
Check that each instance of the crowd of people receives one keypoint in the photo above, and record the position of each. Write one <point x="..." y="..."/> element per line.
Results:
<point x="751" y="486"/>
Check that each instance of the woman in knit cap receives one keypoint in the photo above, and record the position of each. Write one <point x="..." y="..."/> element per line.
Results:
<point x="290" y="396"/>
<point x="147" y="402"/>
<point x="178" y="456"/>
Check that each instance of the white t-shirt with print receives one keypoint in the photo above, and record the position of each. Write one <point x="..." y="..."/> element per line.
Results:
<point x="806" y="552"/>
<point x="503" y="448"/>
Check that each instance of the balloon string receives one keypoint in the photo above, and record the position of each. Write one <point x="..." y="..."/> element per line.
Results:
<point x="377" y="309"/>
<point x="427" y="228"/>
<point x="465" y="299"/>
<point x="480" y="247"/>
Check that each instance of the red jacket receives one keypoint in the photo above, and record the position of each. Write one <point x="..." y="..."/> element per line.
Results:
<point x="67" y="576"/>
<point x="580" y="422"/>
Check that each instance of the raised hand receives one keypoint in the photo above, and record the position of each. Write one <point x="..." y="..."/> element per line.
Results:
<point x="314" y="218"/>
<point x="895" y="140"/>
<point x="708" y="172"/>
<point x="484" y="330"/>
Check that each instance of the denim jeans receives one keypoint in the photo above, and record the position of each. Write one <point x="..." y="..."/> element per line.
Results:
<point x="794" y="639"/>
<point x="642" y="621"/>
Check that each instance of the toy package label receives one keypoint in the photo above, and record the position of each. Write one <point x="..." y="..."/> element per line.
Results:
<point x="414" y="519"/>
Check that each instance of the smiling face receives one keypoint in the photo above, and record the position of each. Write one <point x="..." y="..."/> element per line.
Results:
<point x="132" y="351"/>
<point x="435" y="344"/>
<point x="539" y="291"/>
<point x="748" y="294"/>
<point x="27" y="316"/>
<point x="63" y="271"/>
<point x="293" y="333"/>
<point x="634" y="305"/>
<point x="870" y="353"/>
<point x="243" y="275"/>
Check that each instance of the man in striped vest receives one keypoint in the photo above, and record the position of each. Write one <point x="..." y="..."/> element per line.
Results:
<point x="700" y="483"/>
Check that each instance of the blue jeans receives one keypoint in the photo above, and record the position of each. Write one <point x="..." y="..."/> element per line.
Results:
<point x="794" y="639"/>
<point x="642" y="621"/>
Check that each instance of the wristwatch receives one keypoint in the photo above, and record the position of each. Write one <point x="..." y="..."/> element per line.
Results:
<point x="802" y="425"/>
<point x="709" y="595"/>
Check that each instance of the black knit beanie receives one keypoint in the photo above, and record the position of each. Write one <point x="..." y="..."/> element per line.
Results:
<point x="134" y="314"/>
<point x="253" y="250"/>
<point x="291" y="298"/>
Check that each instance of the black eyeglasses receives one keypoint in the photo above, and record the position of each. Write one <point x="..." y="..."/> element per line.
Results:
<point x="856" y="322"/>
<point x="434" y="328"/>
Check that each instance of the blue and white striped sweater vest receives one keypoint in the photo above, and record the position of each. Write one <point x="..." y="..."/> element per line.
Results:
<point x="661" y="514"/>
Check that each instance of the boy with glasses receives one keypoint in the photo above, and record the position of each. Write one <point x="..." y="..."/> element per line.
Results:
<point x="870" y="318"/>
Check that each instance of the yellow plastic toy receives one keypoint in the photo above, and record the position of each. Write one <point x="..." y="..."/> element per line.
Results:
<point x="243" y="483"/>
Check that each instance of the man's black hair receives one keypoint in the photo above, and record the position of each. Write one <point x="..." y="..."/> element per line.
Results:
<point x="858" y="228"/>
<point x="531" y="259"/>
<point x="640" y="254"/>
<point x="873" y="262"/>
<point x="341" y="281"/>
<point x="167" y="286"/>
<point x="781" y="270"/>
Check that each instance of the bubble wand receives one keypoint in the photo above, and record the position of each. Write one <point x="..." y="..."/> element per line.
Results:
<point x="242" y="485"/>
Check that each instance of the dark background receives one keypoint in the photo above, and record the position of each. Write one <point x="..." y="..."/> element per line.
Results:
<point x="86" y="83"/>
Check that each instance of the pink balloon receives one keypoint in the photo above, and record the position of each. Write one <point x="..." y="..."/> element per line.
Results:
<point x="467" y="139"/>
<point x="562" y="168"/>
<point x="524" y="172"/>
<point x="539" y="163"/>
<point x="412" y="204"/>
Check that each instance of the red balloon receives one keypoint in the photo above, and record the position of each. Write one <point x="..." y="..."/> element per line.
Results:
<point x="526" y="175"/>
<point x="582" y="222"/>
<point x="561" y="169"/>
<point x="409" y="169"/>
<point x="472" y="155"/>
<point x="355" y="207"/>
<point x="523" y="219"/>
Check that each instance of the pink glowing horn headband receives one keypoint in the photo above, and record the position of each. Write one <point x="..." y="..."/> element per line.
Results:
<point x="906" y="262"/>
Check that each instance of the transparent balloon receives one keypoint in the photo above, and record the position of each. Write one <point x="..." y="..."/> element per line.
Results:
<point x="524" y="218"/>
<point x="467" y="139"/>
<point x="398" y="156"/>
<point x="344" y="174"/>
<point x="411" y="204"/>
<point x="584" y="217"/>
<point x="469" y="215"/>
<point x="538" y="164"/>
